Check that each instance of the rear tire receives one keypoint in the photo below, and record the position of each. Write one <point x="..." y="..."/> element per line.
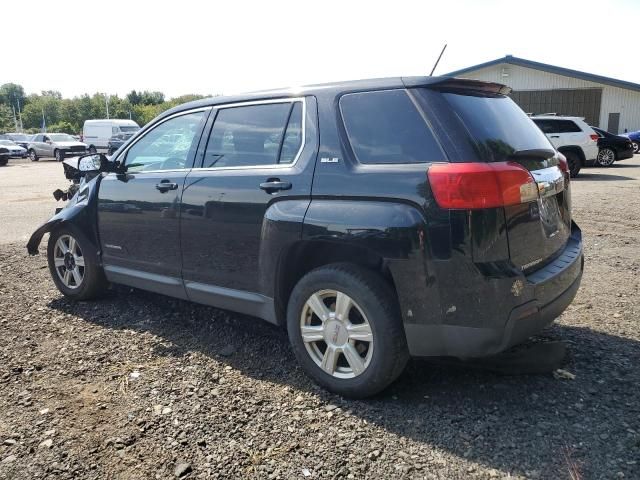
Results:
<point x="33" y="156"/>
<point x="360" y="347"/>
<point x="575" y="164"/>
<point x="4" y="161"/>
<point x="92" y="150"/>
<point x="76" y="272"/>
<point x="606" y="157"/>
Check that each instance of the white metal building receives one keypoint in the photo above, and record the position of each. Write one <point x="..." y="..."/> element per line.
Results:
<point x="611" y="104"/>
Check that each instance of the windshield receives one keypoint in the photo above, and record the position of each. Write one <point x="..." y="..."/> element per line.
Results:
<point x="129" y="128"/>
<point x="61" y="137"/>
<point x="20" y="137"/>
<point x="497" y="125"/>
<point x="7" y="142"/>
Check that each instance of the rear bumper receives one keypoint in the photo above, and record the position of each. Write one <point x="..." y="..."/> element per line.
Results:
<point x="549" y="291"/>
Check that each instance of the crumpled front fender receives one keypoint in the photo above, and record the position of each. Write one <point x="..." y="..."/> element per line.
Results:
<point x="81" y="211"/>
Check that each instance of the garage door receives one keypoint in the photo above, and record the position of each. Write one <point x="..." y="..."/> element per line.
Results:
<point x="579" y="102"/>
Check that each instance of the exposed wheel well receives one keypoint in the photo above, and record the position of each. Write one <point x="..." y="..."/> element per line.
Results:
<point x="305" y="256"/>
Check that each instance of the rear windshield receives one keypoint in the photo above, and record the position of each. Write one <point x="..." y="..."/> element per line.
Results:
<point x="497" y="125"/>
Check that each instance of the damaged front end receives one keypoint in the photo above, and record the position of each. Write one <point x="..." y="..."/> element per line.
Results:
<point x="85" y="174"/>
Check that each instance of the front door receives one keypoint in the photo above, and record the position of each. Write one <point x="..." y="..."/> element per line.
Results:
<point x="254" y="184"/>
<point x="139" y="210"/>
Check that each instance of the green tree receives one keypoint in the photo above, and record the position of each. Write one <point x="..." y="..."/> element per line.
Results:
<point x="11" y="94"/>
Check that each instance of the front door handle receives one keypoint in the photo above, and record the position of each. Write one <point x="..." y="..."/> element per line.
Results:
<point x="555" y="136"/>
<point x="166" y="185"/>
<point x="273" y="185"/>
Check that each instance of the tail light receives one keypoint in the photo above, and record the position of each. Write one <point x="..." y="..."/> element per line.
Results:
<point x="594" y="137"/>
<point x="469" y="186"/>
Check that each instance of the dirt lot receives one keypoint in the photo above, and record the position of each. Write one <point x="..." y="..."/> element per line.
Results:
<point x="142" y="386"/>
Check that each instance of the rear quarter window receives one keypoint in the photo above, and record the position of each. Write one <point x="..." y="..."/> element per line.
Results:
<point x="385" y="127"/>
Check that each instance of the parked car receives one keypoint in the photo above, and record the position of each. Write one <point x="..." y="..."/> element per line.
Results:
<point x="374" y="219"/>
<point x="56" y="145"/>
<point x="97" y="133"/>
<point x="612" y="147"/>
<point x="572" y="137"/>
<point x="4" y="156"/>
<point x="15" y="150"/>
<point x="635" y="139"/>
<point x="20" y="138"/>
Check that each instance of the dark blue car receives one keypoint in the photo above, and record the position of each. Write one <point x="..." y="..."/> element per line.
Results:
<point x="635" y="139"/>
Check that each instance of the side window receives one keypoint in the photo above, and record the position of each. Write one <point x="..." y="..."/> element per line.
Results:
<point x="254" y="135"/>
<point x="38" y="138"/>
<point x="167" y="146"/>
<point x="292" y="136"/>
<point x="385" y="127"/>
<point x="548" y="126"/>
<point x="567" y="126"/>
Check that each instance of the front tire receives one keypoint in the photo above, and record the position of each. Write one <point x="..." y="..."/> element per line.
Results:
<point x="574" y="163"/>
<point x="606" y="157"/>
<point x="346" y="331"/>
<point x="59" y="155"/>
<point x="33" y="156"/>
<point x="92" y="150"/>
<point x="636" y="147"/>
<point x="74" y="267"/>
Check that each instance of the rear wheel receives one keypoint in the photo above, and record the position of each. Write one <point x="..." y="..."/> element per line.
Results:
<point x="606" y="157"/>
<point x="4" y="161"/>
<point x="33" y="156"/>
<point x="345" y="330"/>
<point x="574" y="163"/>
<point x="92" y="149"/>
<point x="74" y="268"/>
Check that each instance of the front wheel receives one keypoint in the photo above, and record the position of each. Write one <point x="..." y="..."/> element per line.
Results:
<point x="345" y="329"/>
<point x="74" y="268"/>
<point x="59" y="155"/>
<point x="606" y="157"/>
<point x="574" y="163"/>
<point x="636" y="147"/>
<point x="92" y="150"/>
<point x="33" y="156"/>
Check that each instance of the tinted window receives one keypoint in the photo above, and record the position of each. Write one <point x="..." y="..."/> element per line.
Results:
<point x="567" y="126"/>
<point x="38" y="138"/>
<point x="253" y="135"/>
<point x="167" y="146"/>
<point x="548" y="126"/>
<point x="498" y="126"/>
<point x="385" y="127"/>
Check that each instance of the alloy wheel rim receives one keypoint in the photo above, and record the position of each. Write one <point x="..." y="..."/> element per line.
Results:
<point x="336" y="334"/>
<point x="606" y="157"/>
<point x="69" y="261"/>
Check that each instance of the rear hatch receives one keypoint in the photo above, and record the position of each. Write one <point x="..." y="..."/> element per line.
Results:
<point x="496" y="132"/>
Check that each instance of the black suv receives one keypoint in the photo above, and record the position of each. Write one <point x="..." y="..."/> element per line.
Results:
<point x="375" y="219"/>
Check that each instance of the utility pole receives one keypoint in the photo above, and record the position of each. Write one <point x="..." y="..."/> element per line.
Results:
<point x="15" y="120"/>
<point x="106" y="102"/>
<point x="20" y="116"/>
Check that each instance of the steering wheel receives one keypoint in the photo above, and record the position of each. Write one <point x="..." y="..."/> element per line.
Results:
<point x="172" y="163"/>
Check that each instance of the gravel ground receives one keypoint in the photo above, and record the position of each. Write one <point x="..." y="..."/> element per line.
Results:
<point x="142" y="386"/>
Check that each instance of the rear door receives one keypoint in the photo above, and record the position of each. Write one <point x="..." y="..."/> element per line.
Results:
<point x="139" y="211"/>
<point x="500" y="131"/>
<point x="256" y="169"/>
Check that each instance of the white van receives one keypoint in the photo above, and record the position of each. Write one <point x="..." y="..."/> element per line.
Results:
<point x="96" y="133"/>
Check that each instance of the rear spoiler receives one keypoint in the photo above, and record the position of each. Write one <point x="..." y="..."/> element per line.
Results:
<point x="459" y="84"/>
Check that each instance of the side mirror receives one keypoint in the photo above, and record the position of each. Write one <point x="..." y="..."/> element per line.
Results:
<point x="95" y="162"/>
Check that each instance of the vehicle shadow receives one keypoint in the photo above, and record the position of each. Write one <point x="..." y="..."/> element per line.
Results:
<point x="528" y="425"/>
<point x="584" y="176"/>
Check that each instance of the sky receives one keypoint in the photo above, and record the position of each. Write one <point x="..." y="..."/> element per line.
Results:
<point x="213" y="47"/>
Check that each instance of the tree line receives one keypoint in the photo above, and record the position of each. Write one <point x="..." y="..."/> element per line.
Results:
<point x="68" y="114"/>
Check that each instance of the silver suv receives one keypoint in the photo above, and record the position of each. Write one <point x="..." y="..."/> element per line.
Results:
<point x="56" y="145"/>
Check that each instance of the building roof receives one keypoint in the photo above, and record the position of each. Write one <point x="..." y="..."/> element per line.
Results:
<point x="590" y="77"/>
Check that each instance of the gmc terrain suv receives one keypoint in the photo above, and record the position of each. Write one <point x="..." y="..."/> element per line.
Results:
<point x="373" y="219"/>
<point x="572" y="137"/>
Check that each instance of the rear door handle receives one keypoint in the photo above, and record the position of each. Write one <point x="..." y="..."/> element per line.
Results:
<point x="555" y="136"/>
<point x="273" y="185"/>
<point x="166" y="185"/>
